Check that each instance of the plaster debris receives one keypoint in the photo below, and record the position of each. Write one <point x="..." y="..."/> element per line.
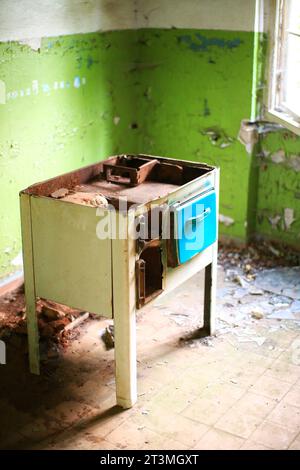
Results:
<point x="278" y="288"/>
<point x="86" y="198"/>
<point x="59" y="193"/>
<point x="241" y="281"/>
<point x="231" y="274"/>
<point x="274" y="250"/>
<point x="224" y="145"/>
<point x="280" y="301"/>
<point x="108" y="337"/>
<point x="248" y="134"/>
<point x="278" y="157"/>
<point x="255" y="291"/>
<point x="286" y="314"/>
<point x="53" y="319"/>
<point x="51" y="313"/>
<point x="77" y="321"/>
<point x="99" y="201"/>
<point x="257" y="313"/>
<point x="274" y="221"/>
<point x="239" y="293"/>
<point x="288" y="217"/>
<point x="295" y="307"/>
<point x="281" y="281"/>
<point x="218" y="137"/>
<point x="224" y="219"/>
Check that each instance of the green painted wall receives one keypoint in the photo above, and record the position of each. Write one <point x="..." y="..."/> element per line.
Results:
<point x="279" y="187"/>
<point x="276" y="167"/>
<point x="194" y="88"/>
<point x="59" y="115"/>
<point x="180" y="93"/>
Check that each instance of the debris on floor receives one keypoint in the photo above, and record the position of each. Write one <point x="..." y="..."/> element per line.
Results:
<point x="108" y="337"/>
<point x="280" y="281"/>
<point x="77" y="321"/>
<point x="57" y="323"/>
<point x="261" y="284"/>
<point x="257" y="313"/>
<point x="252" y="353"/>
<point x="257" y="256"/>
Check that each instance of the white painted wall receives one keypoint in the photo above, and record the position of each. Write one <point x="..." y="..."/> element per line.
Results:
<point x="23" y="19"/>
<point x="203" y="14"/>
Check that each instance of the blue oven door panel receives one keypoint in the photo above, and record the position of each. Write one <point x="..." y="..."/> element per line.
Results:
<point x="195" y="225"/>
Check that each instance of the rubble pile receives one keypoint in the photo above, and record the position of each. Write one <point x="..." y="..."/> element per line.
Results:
<point x="261" y="283"/>
<point x="56" y="322"/>
<point x="258" y="291"/>
<point x="255" y="257"/>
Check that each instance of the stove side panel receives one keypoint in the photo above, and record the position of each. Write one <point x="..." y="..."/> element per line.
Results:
<point x="72" y="265"/>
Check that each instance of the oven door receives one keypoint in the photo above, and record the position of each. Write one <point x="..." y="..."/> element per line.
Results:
<point x="194" y="226"/>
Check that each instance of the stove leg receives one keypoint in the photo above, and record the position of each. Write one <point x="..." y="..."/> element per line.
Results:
<point x="33" y="335"/>
<point x="210" y="294"/>
<point x="124" y="252"/>
<point x="32" y="324"/>
<point x="125" y="357"/>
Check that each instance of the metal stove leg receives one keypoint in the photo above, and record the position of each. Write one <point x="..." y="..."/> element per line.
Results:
<point x="210" y="293"/>
<point x="124" y="311"/>
<point x="33" y="335"/>
<point x="32" y="324"/>
<point x="125" y="356"/>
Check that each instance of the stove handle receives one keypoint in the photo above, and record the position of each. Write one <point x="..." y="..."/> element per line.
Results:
<point x="198" y="218"/>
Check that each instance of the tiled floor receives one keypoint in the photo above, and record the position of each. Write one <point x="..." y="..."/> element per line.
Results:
<point x="221" y="393"/>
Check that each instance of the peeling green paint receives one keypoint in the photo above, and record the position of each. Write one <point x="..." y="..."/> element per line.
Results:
<point x="214" y="75"/>
<point x="279" y="187"/>
<point x="218" y="137"/>
<point x="199" y="42"/>
<point x="258" y="81"/>
<point x="59" y="115"/>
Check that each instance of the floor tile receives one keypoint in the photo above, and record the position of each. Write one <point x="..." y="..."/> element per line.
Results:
<point x="216" y="439"/>
<point x="293" y="396"/>
<point x="270" y="387"/>
<point x="250" y="445"/>
<point x="273" y="435"/>
<point x="287" y="372"/>
<point x="287" y="415"/>
<point x="239" y="424"/>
